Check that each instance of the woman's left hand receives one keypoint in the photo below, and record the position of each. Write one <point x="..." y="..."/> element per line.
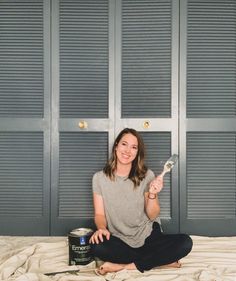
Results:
<point x="156" y="185"/>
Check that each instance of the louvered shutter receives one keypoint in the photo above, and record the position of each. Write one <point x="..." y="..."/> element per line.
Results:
<point x="24" y="118"/>
<point x="211" y="175"/>
<point x="21" y="59"/>
<point x="146" y="59"/>
<point x="211" y="59"/>
<point x="21" y="174"/>
<point x="145" y="96"/>
<point x="82" y="131"/>
<point x="83" y="59"/>
<point x="208" y="168"/>
<point x="81" y="155"/>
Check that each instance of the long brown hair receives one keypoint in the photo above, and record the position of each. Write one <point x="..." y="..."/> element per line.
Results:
<point x="138" y="168"/>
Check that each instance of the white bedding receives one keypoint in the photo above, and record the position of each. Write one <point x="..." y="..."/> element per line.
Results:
<point x="29" y="258"/>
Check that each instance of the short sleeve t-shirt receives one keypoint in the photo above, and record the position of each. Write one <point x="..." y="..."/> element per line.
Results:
<point x="124" y="207"/>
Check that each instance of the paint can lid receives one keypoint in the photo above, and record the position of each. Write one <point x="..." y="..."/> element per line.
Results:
<point x="81" y="231"/>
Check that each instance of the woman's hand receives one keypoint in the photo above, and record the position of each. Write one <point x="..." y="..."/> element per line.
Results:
<point x="156" y="185"/>
<point x="152" y="206"/>
<point x="97" y="236"/>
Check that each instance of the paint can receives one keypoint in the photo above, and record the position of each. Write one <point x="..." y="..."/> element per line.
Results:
<point x="79" y="248"/>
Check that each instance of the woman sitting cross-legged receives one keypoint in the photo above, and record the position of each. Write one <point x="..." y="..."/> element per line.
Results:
<point x="127" y="209"/>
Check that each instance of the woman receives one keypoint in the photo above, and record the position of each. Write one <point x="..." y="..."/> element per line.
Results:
<point x="125" y="194"/>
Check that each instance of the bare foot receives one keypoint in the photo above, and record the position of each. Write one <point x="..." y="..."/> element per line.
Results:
<point x="114" y="267"/>
<point x="175" y="264"/>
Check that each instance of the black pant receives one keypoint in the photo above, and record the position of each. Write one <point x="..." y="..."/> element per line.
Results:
<point x="158" y="249"/>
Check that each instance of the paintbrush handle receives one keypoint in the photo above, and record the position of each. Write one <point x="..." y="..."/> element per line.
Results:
<point x="64" y="271"/>
<point x="162" y="174"/>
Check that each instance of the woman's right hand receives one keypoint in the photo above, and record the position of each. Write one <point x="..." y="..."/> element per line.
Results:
<point x="97" y="236"/>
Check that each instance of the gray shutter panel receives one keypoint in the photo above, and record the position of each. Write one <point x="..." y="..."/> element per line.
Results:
<point x="158" y="150"/>
<point x="211" y="62"/>
<point x="149" y="50"/>
<point x="21" y="174"/>
<point x="146" y="59"/>
<point x="21" y="59"/>
<point x="81" y="155"/>
<point x="83" y="51"/>
<point x="24" y="118"/>
<point x="211" y="180"/>
<point x="83" y="59"/>
<point x="209" y="184"/>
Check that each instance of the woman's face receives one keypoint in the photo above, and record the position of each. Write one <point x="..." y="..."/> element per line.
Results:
<point x="127" y="149"/>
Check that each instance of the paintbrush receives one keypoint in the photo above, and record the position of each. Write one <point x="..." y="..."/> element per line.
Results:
<point x="71" y="271"/>
<point x="169" y="164"/>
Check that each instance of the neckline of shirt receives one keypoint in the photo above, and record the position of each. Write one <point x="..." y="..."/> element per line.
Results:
<point x="121" y="177"/>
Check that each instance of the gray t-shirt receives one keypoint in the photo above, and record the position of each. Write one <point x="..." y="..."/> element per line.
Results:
<point x="124" y="207"/>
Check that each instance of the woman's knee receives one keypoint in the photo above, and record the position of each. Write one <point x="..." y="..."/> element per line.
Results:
<point x="187" y="244"/>
<point x="98" y="250"/>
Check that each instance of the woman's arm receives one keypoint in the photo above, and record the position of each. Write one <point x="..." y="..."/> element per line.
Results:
<point x="100" y="220"/>
<point x="152" y="206"/>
